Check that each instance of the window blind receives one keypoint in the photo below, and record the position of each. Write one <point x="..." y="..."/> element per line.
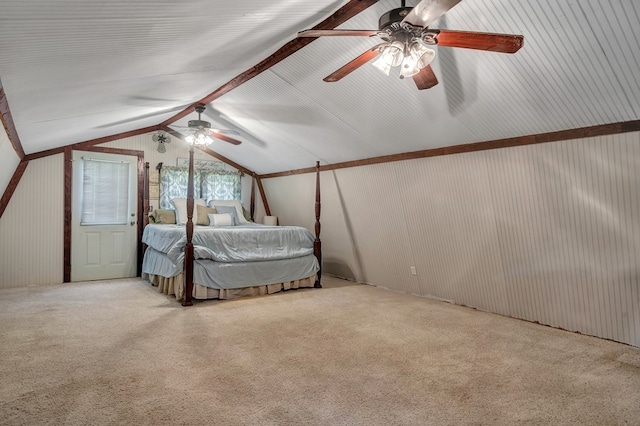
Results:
<point x="105" y="192"/>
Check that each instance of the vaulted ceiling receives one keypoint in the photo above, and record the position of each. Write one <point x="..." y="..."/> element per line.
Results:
<point x="74" y="71"/>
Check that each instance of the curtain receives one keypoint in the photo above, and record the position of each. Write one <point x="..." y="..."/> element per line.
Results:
<point x="220" y="185"/>
<point x="207" y="184"/>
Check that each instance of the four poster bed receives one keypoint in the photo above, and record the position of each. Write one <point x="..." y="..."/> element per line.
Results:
<point x="224" y="262"/>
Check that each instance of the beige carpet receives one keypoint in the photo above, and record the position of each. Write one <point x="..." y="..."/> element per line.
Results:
<point x="119" y="352"/>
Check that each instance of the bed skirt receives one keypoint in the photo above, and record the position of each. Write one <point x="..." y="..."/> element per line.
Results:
<point x="175" y="286"/>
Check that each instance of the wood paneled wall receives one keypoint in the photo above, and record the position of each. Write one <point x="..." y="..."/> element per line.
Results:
<point x="547" y="232"/>
<point x="31" y="246"/>
<point x="32" y="226"/>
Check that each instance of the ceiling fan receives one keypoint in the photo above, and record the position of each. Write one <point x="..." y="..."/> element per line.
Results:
<point x="161" y="138"/>
<point x="201" y="133"/>
<point x="406" y="35"/>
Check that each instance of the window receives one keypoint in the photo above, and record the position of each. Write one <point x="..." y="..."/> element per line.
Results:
<point x="207" y="184"/>
<point x="105" y="192"/>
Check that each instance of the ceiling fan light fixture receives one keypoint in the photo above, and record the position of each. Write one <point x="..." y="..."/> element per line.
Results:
<point x="411" y="56"/>
<point x="200" y="131"/>
<point x="199" y="137"/>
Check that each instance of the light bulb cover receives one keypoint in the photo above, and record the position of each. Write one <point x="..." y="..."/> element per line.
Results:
<point x="393" y="53"/>
<point x="422" y="54"/>
<point x="419" y="57"/>
<point x="382" y="65"/>
<point x="409" y="67"/>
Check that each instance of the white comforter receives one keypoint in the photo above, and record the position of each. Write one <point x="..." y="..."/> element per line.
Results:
<point x="234" y="256"/>
<point x="243" y="243"/>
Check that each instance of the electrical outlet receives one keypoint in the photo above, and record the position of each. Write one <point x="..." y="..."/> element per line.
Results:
<point x="413" y="270"/>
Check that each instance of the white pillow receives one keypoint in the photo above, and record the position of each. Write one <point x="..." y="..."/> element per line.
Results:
<point x="234" y="203"/>
<point x="230" y="210"/>
<point x="223" y="219"/>
<point x="180" y="205"/>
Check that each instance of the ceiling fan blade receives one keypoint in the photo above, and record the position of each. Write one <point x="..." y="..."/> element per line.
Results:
<point x="225" y="138"/>
<point x="226" y="132"/>
<point x="505" y="43"/>
<point x="428" y="11"/>
<point x="352" y="33"/>
<point x="426" y="78"/>
<point x="141" y="117"/>
<point x="354" y="64"/>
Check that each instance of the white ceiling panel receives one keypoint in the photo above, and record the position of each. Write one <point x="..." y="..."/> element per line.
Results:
<point x="83" y="65"/>
<point x="78" y="70"/>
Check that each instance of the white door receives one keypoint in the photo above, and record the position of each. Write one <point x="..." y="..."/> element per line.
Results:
<point x="104" y="216"/>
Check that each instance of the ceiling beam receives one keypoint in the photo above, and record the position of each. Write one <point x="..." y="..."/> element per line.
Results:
<point x="263" y="195"/>
<point x="11" y="187"/>
<point x="9" y="126"/>
<point x="227" y="161"/>
<point x="563" y="135"/>
<point x="346" y="12"/>
<point x="211" y="153"/>
<point x="12" y="134"/>
<point x="87" y="144"/>
<point x="117" y="136"/>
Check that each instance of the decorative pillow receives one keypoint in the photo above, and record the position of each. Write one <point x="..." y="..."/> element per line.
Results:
<point x="231" y="211"/>
<point x="234" y="203"/>
<point x="180" y="205"/>
<point x="164" y="216"/>
<point x="202" y="214"/>
<point x="246" y="214"/>
<point x="222" y="219"/>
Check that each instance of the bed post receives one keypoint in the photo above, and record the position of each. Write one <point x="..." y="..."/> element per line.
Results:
<point x="145" y="211"/>
<point x="252" y="209"/>
<point x="317" y="246"/>
<point x="145" y="219"/>
<point x="188" y="249"/>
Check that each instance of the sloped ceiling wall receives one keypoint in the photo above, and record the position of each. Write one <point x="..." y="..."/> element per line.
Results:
<point x="568" y="75"/>
<point x="31" y="228"/>
<point x="79" y="70"/>
<point x="546" y="232"/>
